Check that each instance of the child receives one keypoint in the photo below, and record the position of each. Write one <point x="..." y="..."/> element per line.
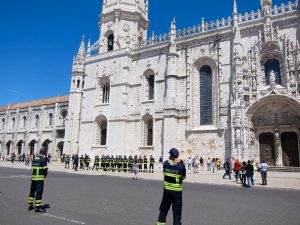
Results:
<point x="135" y="170"/>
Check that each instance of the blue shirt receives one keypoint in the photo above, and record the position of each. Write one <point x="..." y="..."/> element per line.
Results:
<point x="264" y="167"/>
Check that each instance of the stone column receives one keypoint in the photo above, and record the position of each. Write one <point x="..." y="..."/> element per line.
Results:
<point x="278" y="150"/>
<point x="11" y="148"/>
<point x="22" y="147"/>
<point x="35" y="147"/>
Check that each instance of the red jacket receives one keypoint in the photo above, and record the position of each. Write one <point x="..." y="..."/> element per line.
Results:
<point x="237" y="166"/>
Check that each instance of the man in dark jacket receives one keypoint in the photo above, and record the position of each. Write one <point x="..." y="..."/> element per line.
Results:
<point x="249" y="173"/>
<point x="227" y="167"/>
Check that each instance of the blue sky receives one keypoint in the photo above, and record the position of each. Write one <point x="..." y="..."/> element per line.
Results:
<point x="39" y="38"/>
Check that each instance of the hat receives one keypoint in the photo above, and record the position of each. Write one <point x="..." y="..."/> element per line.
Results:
<point x="174" y="152"/>
<point x="43" y="151"/>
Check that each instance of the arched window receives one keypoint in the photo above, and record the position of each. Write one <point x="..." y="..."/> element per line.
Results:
<point x="82" y="84"/>
<point x="205" y="95"/>
<point x="37" y="121"/>
<point x="110" y="42"/>
<point x="148" y="131"/>
<point x="13" y="122"/>
<point x="64" y="116"/>
<point x="101" y="130"/>
<point x="24" y="121"/>
<point x="106" y="93"/>
<point x="50" y="120"/>
<point x="3" y="124"/>
<point x="151" y="82"/>
<point x="272" y="65"/>
<point x="78" y="83"/>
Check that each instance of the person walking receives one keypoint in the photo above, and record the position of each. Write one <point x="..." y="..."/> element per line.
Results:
<point x="135" y="170"/>
<point x="67" y="162"/>
<point x="249" y="173"/>
<point x="174" y="174"/>
<point x="213" y="165"/>
<point x="190" y="163"/>
<point x="208" y="164"/>
<point x="201" y="163"/>
<point x="263" y="168"/>
<point x="237" y="169"/>
<point x="39" y="173"/>
<point x="243" y="172"/>
<point x="227" y="167"/>
<point x="218" y="162"/>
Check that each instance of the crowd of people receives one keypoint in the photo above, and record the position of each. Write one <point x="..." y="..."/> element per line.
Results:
<point x="244" y="172"/>
<point x="21" y="158"/>
<point x="195" y="164"/>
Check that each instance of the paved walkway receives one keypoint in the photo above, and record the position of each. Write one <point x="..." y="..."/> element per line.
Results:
<point x="281" y="180"/>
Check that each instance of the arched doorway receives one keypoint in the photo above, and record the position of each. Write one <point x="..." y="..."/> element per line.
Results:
<point x="274" y="120"/>
<point x="267" y="148"/>
<point x="20" y="147"/>
<point x="290" y="151"/>
<point x="32" y="147"/>
<point x="8" y="148"/>
<point x="45" y="145"/>
<point x="60" y="147"/>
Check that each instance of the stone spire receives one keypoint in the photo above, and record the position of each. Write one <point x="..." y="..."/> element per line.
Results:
<point x="78" y="63"/>
<point x="235" y="14"/>
<point x="89" y="48"/>
<point x="81" y="52"/>
<point x="266" y="6"/>
<point x="173" y="36"/>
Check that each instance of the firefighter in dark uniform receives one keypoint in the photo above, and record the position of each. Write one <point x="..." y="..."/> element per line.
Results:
<point x="112" y="163"/>
<point x="130" y="164"/>
<point x="125" y="163"/>
<point x="87" y="162"/>
<point x="120" y="163"/>
<point x="151" y="167"/>
<point x="102" y="164"/>
<point x="39" y="173"/>
<point x="67" y="161"/>
<point x="75" y="166"/>
<point x="140" y="164"/>
<point x="96" y="163"/>
<point x="174" y="173"/>
<point x="107" y="162"/>
<point x="145" y="164"/>
<point x="81" y="162"/>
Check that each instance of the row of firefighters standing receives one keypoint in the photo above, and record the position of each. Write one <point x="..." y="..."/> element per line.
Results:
<point x="111" y="163"/>
<point x="174" y="174"/>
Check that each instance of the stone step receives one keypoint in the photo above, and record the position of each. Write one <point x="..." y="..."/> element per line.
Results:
<point x="284" y="169"/>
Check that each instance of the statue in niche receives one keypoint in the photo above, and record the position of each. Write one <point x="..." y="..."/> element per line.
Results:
<point x="272" y="80"/>
<point x="277" y="136"/>
<point x="253" y="84"/>
<point x="252" y="137"/>
<point x="292" y="79"/>
<point x="246" y="82"/>
<point x="238" y="133"/>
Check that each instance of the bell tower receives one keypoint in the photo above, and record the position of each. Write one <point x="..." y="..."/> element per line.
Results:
<point x="123" y="23"/>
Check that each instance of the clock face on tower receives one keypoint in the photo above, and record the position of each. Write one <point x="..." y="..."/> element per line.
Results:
<point x="126" y="27"/>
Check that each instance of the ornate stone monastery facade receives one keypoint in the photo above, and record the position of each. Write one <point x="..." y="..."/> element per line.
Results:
<point x="227" y="88"/>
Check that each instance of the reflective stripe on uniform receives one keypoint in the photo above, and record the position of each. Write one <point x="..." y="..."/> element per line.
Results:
<point x="160" y="223"/>
<point x="30" y="200"/>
